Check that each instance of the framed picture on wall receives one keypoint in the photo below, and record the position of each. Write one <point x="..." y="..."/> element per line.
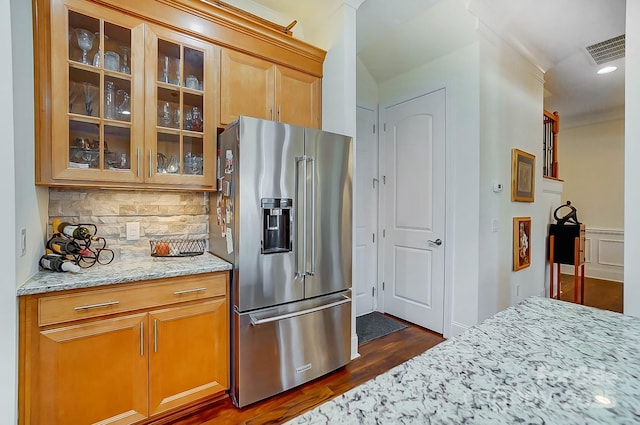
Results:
<point x="523" y="173"/>
<point x="521" y="243"/>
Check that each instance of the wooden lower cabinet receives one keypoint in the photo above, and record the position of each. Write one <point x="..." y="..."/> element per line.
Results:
<point x="186" y="360"/>
<point x="94" y="372"/>
<point x="124" y="367"/>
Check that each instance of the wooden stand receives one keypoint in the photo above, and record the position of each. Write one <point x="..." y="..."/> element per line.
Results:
<point x="577" y="261"/>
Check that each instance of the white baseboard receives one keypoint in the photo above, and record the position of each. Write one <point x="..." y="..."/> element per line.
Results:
<point x="456" y="329"/>
<point x="354" y="347"/>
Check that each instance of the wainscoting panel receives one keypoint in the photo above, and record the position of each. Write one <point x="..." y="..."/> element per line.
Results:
<point x="604" y="255"/>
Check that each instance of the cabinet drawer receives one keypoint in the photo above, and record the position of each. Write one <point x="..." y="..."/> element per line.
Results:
<point x="145" y="294"/>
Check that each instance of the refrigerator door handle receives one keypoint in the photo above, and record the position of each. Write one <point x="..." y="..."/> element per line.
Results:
<point x="255" y="321"/>
<point x="313" y="217"/>
<point x="303" y="214"/>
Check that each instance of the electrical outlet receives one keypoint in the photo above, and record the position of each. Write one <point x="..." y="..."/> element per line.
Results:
<point x="23" y="242"/>
<point x="133" y="231"/>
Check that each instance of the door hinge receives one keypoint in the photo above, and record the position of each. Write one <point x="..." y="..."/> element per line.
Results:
<point x="374" y="129"/>
<point x="374" y="237"/>
<point x="384" y="179"/>
<point x="384" y="127"/>
<point x="384" y="233"/>
<point x="373" y="291"/>
<point x="383" y="286"/>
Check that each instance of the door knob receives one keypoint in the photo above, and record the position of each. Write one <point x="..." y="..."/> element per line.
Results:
<point x="437" y="242"/>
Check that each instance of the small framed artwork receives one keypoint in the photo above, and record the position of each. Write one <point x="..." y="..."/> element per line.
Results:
<point x="523" y="173"/>
<point x="521" y="243"/>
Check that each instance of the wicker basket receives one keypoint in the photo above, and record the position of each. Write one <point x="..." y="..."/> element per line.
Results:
<point x="177" y="247"/>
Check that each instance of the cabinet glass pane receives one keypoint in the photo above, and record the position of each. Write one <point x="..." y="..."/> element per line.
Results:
<point x="117" y="148"/>
<point x="193" y="112"/>
<point x="193" y="68"/>
<point x="117" y="101"/>
<point x="84" y="92"/>
<point x="168" y="108"/>
<point x="83" y="44"/>
<point x="193" y="155"/>
<point x="84" y="144"/>
<point x="168" y="62"/>
<point x="168" y="157"/>
<point x="117" y="48"/>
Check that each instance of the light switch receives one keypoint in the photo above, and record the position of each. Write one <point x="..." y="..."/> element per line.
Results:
<point x="133" y="231"/>
<point x="495" y="226"/>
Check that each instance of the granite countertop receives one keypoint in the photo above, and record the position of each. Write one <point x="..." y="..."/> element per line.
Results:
<point x="122" y="271"/>
<point x="542" y="361"/>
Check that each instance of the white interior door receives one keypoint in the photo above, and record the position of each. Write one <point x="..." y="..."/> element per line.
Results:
<point x="414" y="223"/>
<point x="366" y="211"/>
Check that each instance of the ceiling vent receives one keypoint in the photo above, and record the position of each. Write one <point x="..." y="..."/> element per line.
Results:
<point x="607" y="50"/>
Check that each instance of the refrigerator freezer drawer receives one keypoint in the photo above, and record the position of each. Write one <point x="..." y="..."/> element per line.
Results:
<point x="279" y="348"/>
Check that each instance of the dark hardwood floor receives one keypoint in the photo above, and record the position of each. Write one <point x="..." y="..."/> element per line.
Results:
<point x="376" y="356"/>
<point x="603" y="294"/>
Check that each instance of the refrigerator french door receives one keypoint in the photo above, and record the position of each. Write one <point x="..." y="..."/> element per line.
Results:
<point x="282" y="217"/>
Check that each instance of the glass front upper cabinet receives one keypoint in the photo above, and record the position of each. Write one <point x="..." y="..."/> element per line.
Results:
<point x="184" y="130"/>
<point x="98" y="118"/>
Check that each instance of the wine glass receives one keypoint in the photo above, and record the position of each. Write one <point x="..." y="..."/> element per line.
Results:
<point x="90" y="93"/>
<point x="85" y="42"/>
<point x="73" y="94"/>
<point x="125" y="55"/>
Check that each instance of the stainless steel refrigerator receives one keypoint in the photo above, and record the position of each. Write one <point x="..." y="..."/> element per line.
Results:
<point x="282" y="217"/>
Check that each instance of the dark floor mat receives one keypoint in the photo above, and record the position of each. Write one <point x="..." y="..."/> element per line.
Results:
<point x="374" y="325"/>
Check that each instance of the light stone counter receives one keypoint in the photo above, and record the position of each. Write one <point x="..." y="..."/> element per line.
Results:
<point x="539" y="362"/>
<point x="122" y="271"/>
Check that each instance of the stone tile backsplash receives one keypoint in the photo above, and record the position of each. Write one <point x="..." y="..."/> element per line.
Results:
<point x="162" y="215"/>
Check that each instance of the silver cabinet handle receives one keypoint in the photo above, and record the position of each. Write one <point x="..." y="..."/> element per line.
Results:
<point x="142" y="338"/>
<point x="88" y="306"/>
<point x="150" y="162"/>
<point x="138" y="162"/>
<point x="437" y="242"/>
<point x="155" y="336"/>
<point x="256" y="322"/>
<point x="189" y="291"/>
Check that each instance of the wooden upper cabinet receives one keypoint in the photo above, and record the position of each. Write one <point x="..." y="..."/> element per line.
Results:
<point x="257" y="88"/>
<point x="135" y="96"/>
<point x="246" y="87"/>
<point x="298" y="98"/>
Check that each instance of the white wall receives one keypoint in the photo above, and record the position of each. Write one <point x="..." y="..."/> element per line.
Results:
<point x="511" y="104"/>
<point x="8" y="301"/>
<point x="591" y="159"/>
<point x="632" y="158"/>
<point x="366" y="86"/>
<point x="458" y="72"/>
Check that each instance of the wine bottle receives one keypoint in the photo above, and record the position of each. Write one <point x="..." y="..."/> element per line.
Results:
<point x="57" y="263"/>
<point x="59" y="244"/>
<point x="73" y="231"/>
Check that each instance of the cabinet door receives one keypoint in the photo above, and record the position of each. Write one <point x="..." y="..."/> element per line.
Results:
<point x="298" y="98"/>
<point x="94" y="372"/>
<point x="189" y="353"/>
<point x="246" y="87"/>
<point x="97" y="94"/>
<point x="181" y="111"/>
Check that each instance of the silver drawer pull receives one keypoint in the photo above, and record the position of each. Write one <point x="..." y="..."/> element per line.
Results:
<point x="255" y="321"/>
<point x="88" y="306"/>
<point x="188" y="291"/>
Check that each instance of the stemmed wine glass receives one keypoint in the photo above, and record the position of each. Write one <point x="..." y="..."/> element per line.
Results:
<point x="85" y="42"/>
<point x="73" y="94"/>
<point x="125" y="54"/>
<point x="90" y="93"/>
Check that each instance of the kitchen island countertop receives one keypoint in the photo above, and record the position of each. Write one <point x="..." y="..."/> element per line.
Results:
<point x="122" y="271"/>
<point x="538" y="362"/>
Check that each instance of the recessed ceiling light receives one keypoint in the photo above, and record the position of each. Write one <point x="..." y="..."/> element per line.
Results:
<point x="607" y="69"/>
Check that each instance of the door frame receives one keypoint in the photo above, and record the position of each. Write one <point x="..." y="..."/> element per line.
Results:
<point x="377" y="225"/>
<point x="449" y="224"/>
